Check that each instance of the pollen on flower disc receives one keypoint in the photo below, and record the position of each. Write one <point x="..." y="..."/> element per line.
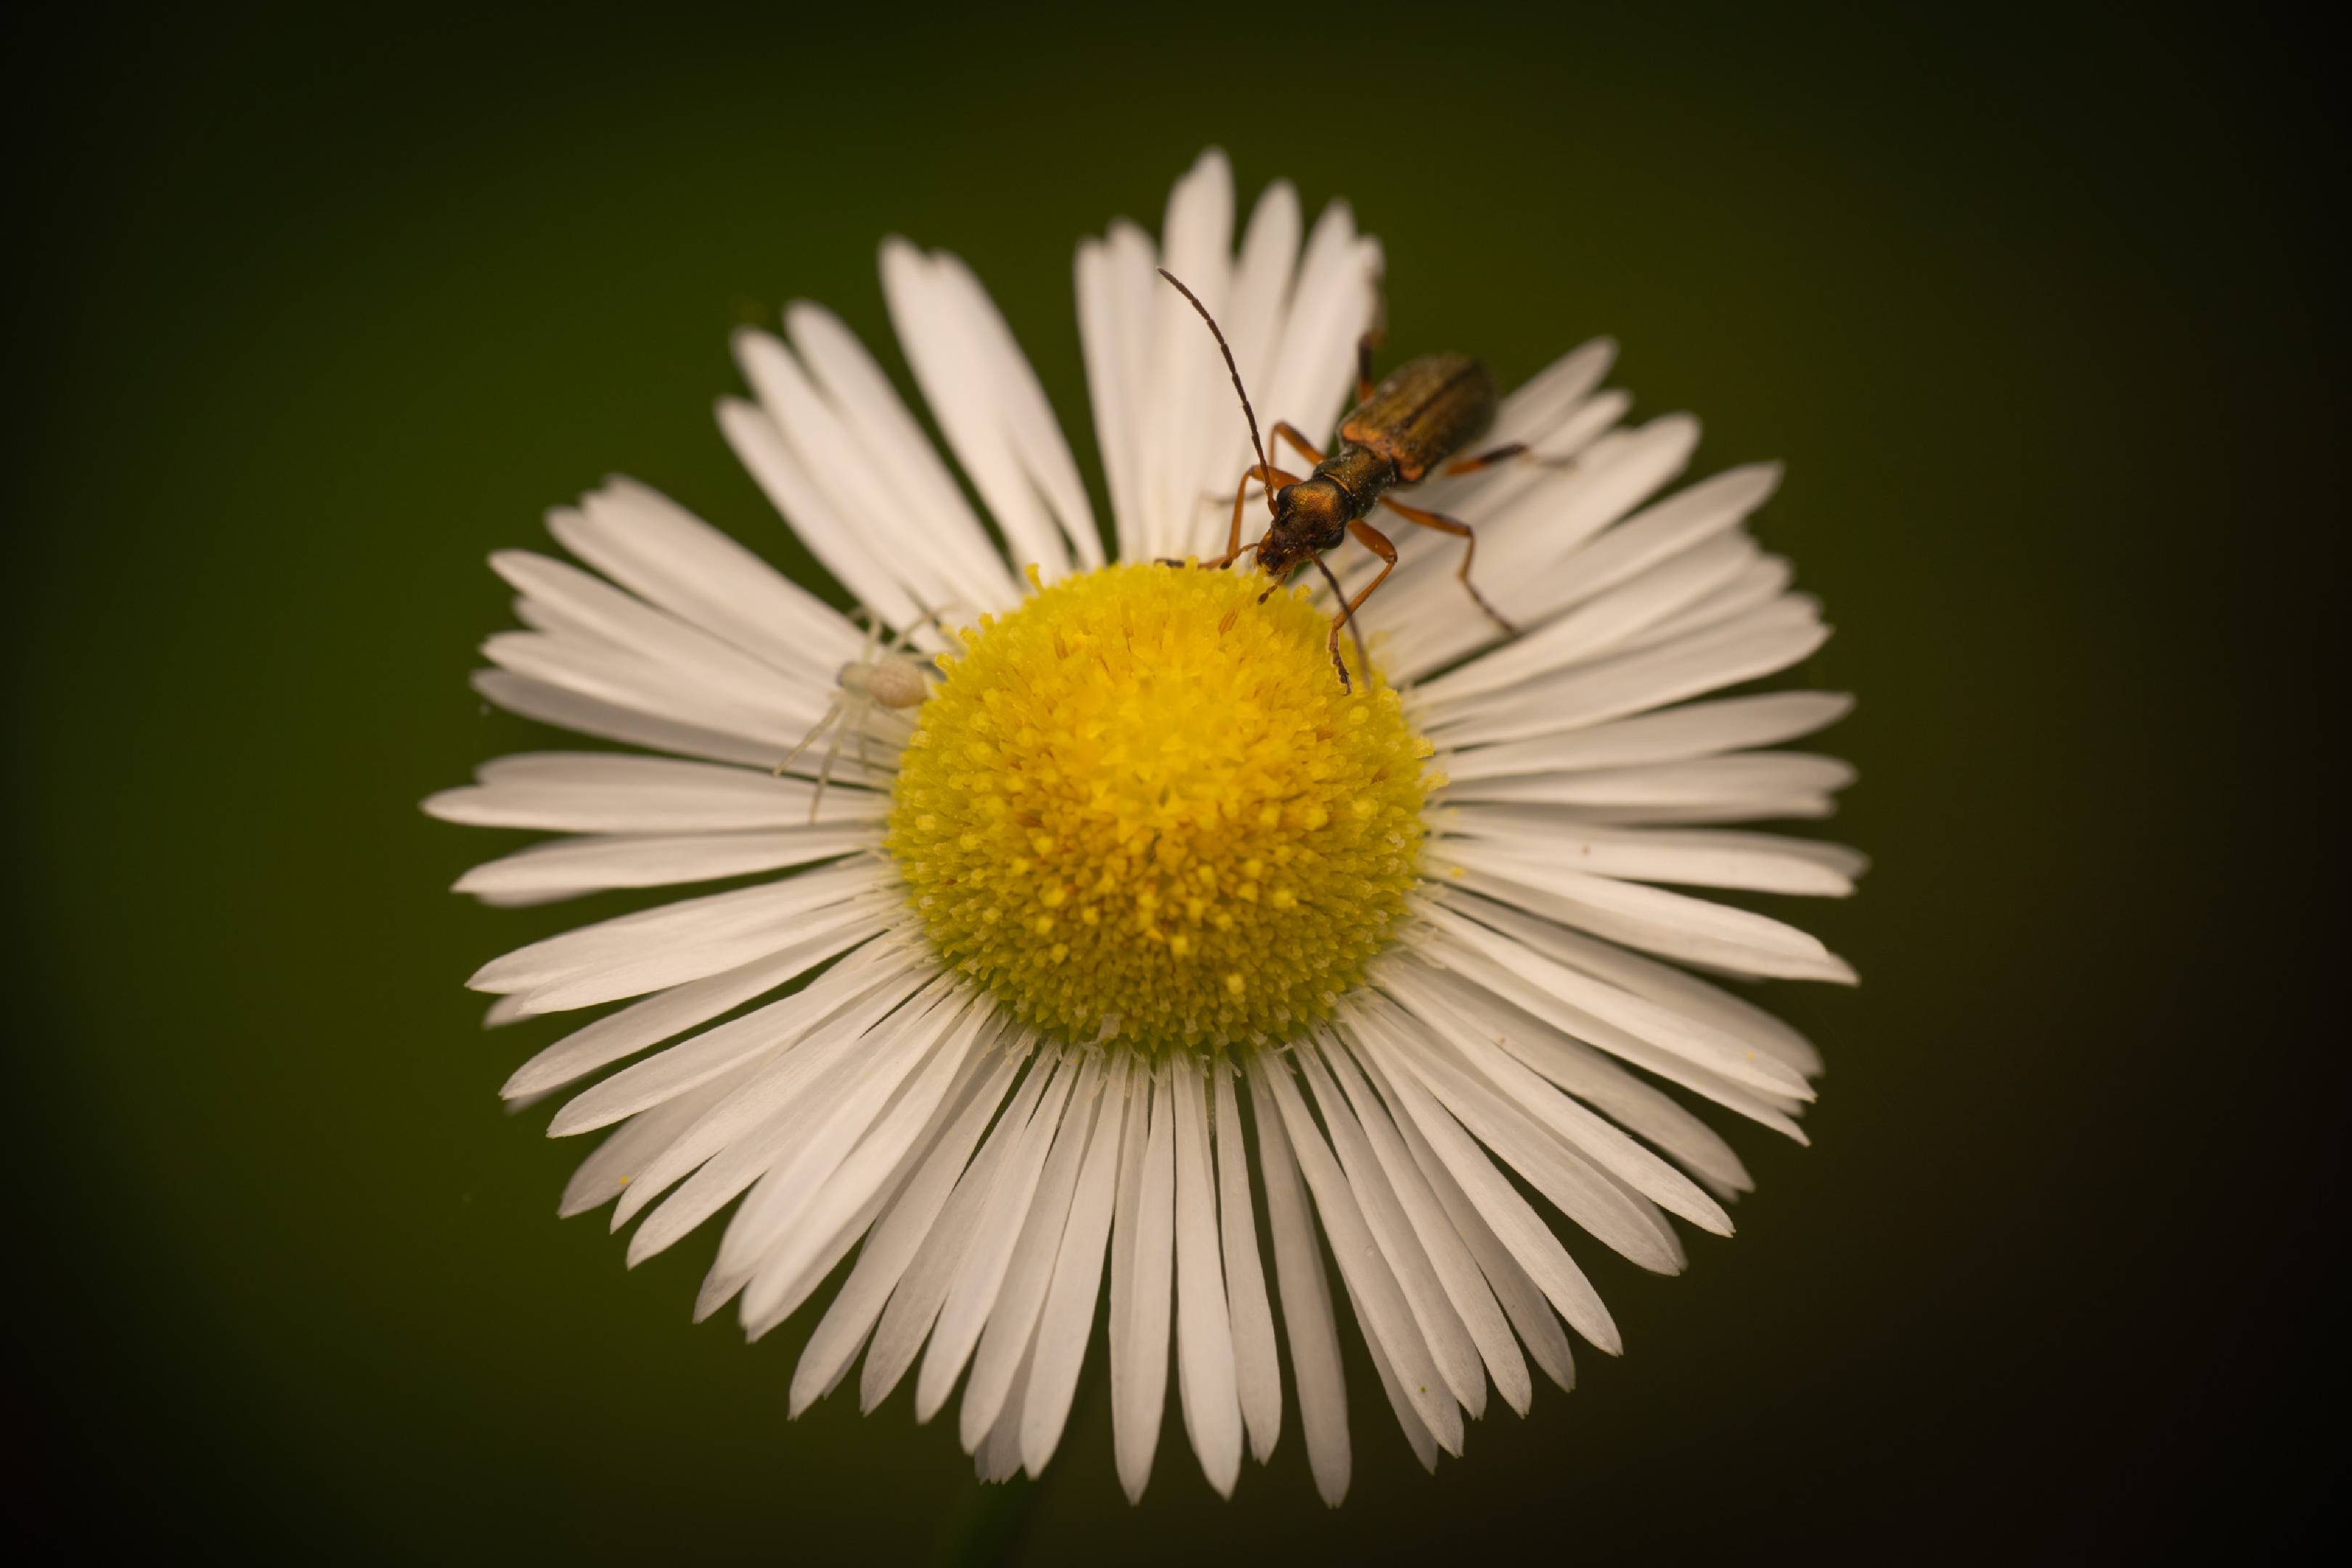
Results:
<point x="1141" y="806"/>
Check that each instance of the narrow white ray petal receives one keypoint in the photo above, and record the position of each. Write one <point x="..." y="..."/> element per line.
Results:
<point x="1674" y="925"/>
<point x="1007" y="1342"/>
<point x="1305" y="1309"/>
<point x="1429" y="998"/>
<point x="1139" y="1367"/>
<point x="599" y="669"/>
<point x="1521" y="843"/>
<point x="1209" y="1394"/>
<point x="577" y="866"/>
<point x="1522" y="1302"/>
<point x="1449" y="1255"/>
<point x="764" y="452"/>
<point x="891" y="1079"/>
<point x="549" y="704"/>
<point x="1253" y="318"/>
<point x="670" y="1013"/>
<point x="1661" y="982"/>
<point x="1568" y="1182"/>
<point x="973" y="1293"/>
<point x="1719" y="1051"/>
<point x="871" y="971"/>
<point x="666" y="555"/>
<point x="914" y="1304"/>
<point x="1068" y="1316"/>
<point x="774" y="1242"/>
<point x="612" y="960"/>
<point x="890" y="536"/>
<point x="607" y="1173"/>
<point x="892" y="1246"/>
<point x="1416" y="1431"/>
<point x="678" y="926"/>
<point x="1104" y="346"/>
<point x="796" y="1116"/>
<point x="1196" y="240"/>
<point x="1381" y="1309"/>
<point x="1514" y="1222"/>
<point x="1128" y="302"/>
<point x="896" y="445"/>
<point x="1633" y="682"/>
<point x="941" y="317"/>
<point x="1763" y="585"/>
<point x="1597" y="626"/>
<point x="1025" y="418"/>
<point x="999" y="1458"/>
<point x="1589" y="1075"/>
<point x="1257" y="1370"/>
<point x="802" y="1075"/>
<point x="1134" y="1142"/>
<point x="1702" y="780"/>
<point x="1771" y="1109"/>
<point x="1451" y="1344"/>
<point x="556" y="594"/>
<point x="603" y="792"/>
<point x="1677" y="734"/>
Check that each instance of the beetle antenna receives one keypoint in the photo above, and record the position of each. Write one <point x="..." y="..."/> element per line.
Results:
<point x="1234" y="371"/>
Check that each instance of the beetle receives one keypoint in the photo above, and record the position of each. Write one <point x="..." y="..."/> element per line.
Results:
<point x="1414" y="421"/>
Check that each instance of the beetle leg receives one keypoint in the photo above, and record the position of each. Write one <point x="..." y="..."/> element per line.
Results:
<point x="1284" y="430"/>
<point x="1234" y="545"/>
<point x="1373" y="540"/>
<point x="1503" y="454"/>
<point x="1445" y="525"/>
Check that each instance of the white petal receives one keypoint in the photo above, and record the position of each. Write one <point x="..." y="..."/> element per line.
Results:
<point x="996" y="1234"/>
<point x="891" y="1247"/>
<point x="1522" y="1302"/>
<point x="1257" y="1371"/>
<point x="1677" y="734"/>
<point x="1696" y="930"/>
<point x="588" y="864"/>
<point x="1139" y="1363"/>
<point x="1381" y="1309"/>
<point x="1516" y="1224"/>
<point x="607" y="1173"/>
<point x="871" y="972"/>
<point x="669" y="1012"/>
<point x="914" y="1304"/>
<point x="603" y="791"/>
<point x="1430" y="998"/>
<point x="795" y="1118"/>
<point x="1068" y="1316"/>
<point x="1661" y="982"/>
<point x="1449" y="1255"/>
<point x="779" y="1233"/>
<point x="1007" y="1342"/>
<point x="1204" y="1333"/>
<point x="667" y="556"/>
<point x="1764" y="644"/>
<point x="566" y="710"/>
<point x="1451" y="1344"/>
<point x="1521" y="843"/>
<point x="1305" y="1309"/>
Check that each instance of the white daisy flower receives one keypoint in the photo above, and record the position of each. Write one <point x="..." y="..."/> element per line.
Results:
<point x="1116" y="894"/>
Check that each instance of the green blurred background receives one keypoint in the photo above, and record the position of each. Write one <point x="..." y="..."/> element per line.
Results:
<point x="322" y="309"/>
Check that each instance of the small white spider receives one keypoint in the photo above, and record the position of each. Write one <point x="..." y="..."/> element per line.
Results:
<point x="882" y="676"/>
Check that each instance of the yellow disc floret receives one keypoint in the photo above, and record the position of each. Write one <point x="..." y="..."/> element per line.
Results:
<point x="1140" y="807"/>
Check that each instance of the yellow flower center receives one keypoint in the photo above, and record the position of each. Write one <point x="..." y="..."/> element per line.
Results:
<point x="1140" y="807"/>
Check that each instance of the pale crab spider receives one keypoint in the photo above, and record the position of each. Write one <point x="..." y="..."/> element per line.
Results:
<point x="882" y="676"/>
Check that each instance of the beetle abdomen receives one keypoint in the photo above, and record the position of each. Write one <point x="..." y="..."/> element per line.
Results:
<point x="1427" y="410"/>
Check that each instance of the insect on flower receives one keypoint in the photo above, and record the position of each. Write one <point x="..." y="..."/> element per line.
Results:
<point x="886" y="677"/>
<point x="1428" y="409"/>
